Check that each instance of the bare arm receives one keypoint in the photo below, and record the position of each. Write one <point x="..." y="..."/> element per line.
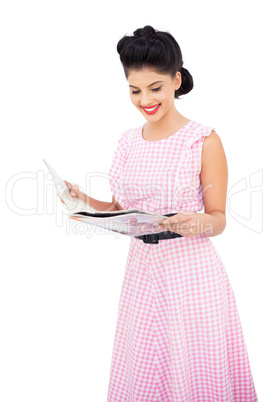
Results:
<point x="92" y="202"/>
<point x="214" y="179"/>
<point x="99" y="205"/>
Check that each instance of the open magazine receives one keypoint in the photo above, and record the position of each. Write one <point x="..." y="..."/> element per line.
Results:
<point x="131" y="222"/>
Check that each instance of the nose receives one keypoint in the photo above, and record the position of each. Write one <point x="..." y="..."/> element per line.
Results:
<point x="145" y="100"/>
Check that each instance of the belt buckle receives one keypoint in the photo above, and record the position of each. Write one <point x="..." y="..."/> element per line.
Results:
<point x="150" y="238"/>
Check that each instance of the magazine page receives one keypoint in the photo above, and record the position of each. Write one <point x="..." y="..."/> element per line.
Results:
<point x="118" y="212"/>
<point x="131" y="224"/>
<point x="72" y="204"/>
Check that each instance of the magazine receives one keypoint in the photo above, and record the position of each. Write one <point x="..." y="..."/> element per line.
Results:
<point x="130" y="222"/>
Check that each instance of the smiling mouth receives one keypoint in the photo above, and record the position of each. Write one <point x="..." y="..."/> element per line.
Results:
<point x="151" y="110"/>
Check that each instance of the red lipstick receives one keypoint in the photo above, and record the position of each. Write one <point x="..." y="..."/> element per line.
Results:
<point x="152" y="109"/>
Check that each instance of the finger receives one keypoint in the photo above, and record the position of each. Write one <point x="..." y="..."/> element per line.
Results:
<point x="172" y="227"/>
<point x="172" y="220"/>
<point x="177" y="219"/>
<point x="60" y="198"/>
<point x="166" y="222"/>
<point x="182" y="228"/>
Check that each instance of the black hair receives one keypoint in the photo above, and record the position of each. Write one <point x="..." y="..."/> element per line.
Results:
<point x="149" y="47"/>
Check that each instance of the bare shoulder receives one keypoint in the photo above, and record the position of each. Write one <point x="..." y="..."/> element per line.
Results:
<point x="213" y="139"/>
<point x="212" y="149"/>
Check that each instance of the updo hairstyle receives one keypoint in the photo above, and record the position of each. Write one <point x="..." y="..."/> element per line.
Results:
<point x="156" y="49"/>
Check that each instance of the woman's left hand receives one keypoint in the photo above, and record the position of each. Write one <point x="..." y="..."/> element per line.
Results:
<point x="187" y="224"/>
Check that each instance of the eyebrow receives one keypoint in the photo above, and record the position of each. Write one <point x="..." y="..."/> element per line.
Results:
<point x="156" y="82"/>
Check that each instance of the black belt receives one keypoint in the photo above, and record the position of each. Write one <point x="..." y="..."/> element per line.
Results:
<point x="154" y="238"/>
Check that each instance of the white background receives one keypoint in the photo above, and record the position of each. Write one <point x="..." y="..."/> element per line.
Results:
<point x="64" y="98"/>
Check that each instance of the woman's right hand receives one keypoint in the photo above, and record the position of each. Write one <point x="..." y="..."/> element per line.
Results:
<point x="73" y="189"/>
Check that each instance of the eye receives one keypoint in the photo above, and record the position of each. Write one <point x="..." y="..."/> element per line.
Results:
<point x="156" y="89"/>
<point x="135" y="92"/>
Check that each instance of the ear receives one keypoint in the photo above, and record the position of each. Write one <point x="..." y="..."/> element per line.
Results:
<point x="177" y="80"/>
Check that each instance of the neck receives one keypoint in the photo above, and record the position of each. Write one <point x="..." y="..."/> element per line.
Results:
<point x="167" y="124"/>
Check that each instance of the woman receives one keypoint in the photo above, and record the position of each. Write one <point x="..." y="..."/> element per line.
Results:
<point x="178" y="334"/>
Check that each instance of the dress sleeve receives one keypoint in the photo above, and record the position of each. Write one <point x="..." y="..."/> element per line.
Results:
<point x="116" y="169"/>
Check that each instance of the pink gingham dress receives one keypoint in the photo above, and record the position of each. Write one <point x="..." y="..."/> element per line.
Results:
<point x="178" y="334"/>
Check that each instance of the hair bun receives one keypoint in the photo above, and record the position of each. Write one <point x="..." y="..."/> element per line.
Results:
<point x="146" y="32"/>
<point x="187" y="82"/>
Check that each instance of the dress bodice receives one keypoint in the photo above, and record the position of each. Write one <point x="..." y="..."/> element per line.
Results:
<point x="159" y="176"/>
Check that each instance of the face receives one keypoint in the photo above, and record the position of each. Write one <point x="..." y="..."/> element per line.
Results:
<point x="153" y="93"/>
